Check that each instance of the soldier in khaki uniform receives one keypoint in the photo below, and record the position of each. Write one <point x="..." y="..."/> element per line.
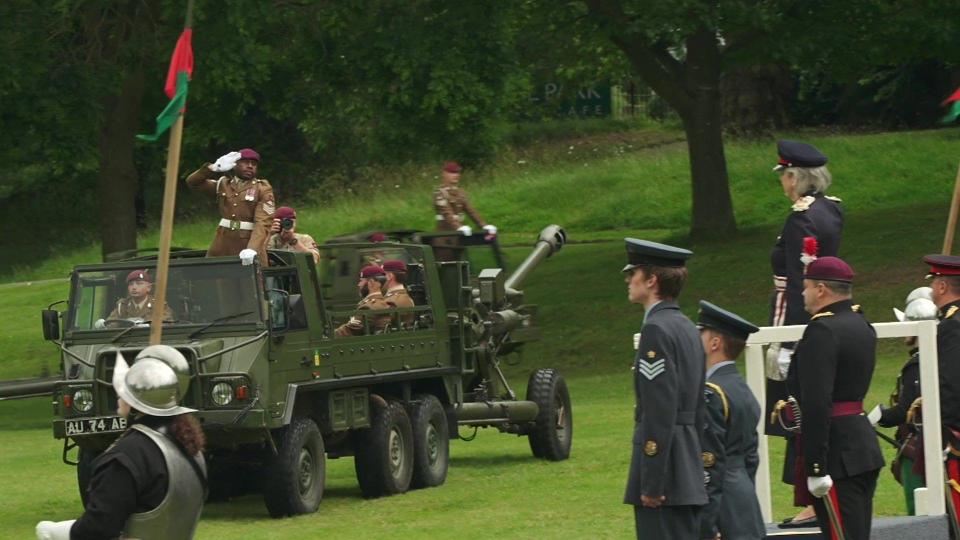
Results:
<point x="245" y="202"/>
<point x="370" y="285"/>
<point x="285" y="237"/>
<point x="396" y="294"/>
<point x="139" y="302"/>
<point x="451" y="206"/>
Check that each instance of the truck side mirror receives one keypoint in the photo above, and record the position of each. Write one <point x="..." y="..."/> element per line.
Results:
<point x="279" y="301"/>
<point x="51" y="324"/>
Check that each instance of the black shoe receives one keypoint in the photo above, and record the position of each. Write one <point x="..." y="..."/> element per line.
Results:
<point x="791" y="523"/>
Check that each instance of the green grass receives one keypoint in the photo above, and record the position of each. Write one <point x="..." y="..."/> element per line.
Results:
<point x="896" y="189"/>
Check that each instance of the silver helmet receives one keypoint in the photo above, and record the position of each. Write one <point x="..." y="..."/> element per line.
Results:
<point x="149" y="386"/>
<point x="920" y="306"/>
<point x="172" y="358"/>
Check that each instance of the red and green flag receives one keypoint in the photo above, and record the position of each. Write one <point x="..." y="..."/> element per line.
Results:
<point x="954" y="102"/>
<point x="178" y="77"/>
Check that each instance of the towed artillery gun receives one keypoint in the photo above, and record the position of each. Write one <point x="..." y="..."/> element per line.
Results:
<point x="277" y="392"/>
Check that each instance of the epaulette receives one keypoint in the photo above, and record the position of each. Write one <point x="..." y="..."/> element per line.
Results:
<point x="803" y="203"/>
<point x="723" y="399"/>
<point x="831" y="198"/>
<point x="951" y="312"/>
<point x="824" y="314"/>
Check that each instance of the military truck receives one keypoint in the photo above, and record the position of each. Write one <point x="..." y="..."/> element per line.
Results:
<point x="278" y="392"/>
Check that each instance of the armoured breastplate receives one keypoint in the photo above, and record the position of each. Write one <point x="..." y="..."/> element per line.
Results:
<point x="177" y="515"/>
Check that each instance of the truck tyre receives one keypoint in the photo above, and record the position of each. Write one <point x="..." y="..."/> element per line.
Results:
<point x="552" y="433"/>
<point x="85" y="459"/>
<point x="431" y="442"/>
<point x="293" y="479"/>
<point x="384" y="452"/>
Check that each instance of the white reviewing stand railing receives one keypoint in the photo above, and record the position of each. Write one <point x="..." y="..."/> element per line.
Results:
<point x="930" y="499"/>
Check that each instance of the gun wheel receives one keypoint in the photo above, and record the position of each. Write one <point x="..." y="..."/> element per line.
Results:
<point x="293" y="479"/>
<point x="552" y="433"/>
<point x="431" y="441"/>
<point x="384" y="452"/>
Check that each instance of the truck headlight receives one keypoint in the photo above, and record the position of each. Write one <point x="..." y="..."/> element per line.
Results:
<point x="83" y="400"/>
<point x="222" y="394"/>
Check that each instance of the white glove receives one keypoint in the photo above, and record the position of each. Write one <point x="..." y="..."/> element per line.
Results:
<point x="874" y="415"/>
<point x="491" y="230"/>
<point x="99" y="324"/>
<point x="465" y="230"/>
<point x="247" y="256"/>
<point x="225" y="162"/>
<point x="818" y="486"/>
<point x="54" y="530"/>
<point x="777" y="362"/>
<point x="783" y="362"/>
<point x="636" y="341"/>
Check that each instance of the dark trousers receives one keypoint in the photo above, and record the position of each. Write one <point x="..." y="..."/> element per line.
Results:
<point x="667" y="522"/>
<point x="855" y="497"/>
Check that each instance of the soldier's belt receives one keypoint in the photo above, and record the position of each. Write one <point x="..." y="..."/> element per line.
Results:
<point x="846" y="408"/>
<point x="237" y="225"/>
<point x="684" y="418"/>
<point x="441" y="218"/>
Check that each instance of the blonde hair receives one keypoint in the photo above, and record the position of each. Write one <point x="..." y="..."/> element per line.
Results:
<point x="815" y="179"/>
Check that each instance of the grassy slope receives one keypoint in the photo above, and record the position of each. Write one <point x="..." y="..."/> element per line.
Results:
<point x="892" y="220"/>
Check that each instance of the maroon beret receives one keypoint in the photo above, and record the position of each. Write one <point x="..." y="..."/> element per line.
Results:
<point x="371" y="271"/>
<point x="249" y="153"/>
<point x="452" y="167"/>
<point x="139" y="275"/>
<point x="943" y="265"/>
<point x="378" y="237"/>
<point x="285" y="212"/>
<point x="829" y="269"/>
<point x="394" y="265"/>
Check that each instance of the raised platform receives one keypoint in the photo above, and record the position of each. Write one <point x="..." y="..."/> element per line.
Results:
<point x="885" y="528"/>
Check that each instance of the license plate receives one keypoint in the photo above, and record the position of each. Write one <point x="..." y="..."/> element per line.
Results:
<point x="95" y="425"/>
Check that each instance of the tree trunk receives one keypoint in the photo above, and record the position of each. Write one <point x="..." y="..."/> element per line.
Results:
<point x="118" y="176"/>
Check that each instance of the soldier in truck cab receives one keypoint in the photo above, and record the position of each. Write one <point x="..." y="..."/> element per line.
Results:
<point x="370" y="286"/>
<point x="139" y="301"/>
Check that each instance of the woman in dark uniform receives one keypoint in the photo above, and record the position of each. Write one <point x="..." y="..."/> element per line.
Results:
<point x="805" y="179"/>
<point x="151" y="482"/>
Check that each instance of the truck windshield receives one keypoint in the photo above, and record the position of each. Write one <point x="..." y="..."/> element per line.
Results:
<point x="196" y="295"/>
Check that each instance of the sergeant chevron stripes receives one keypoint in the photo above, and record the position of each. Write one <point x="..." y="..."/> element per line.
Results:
<point x="651" y="370"/>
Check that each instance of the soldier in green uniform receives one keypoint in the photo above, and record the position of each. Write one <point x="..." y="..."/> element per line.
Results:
<point x="139" y="302"/>
<point x="730" y="457"/>
<point x="245" y="203"/>
<point x="450" y="204"/>
<point x="666" y="482"/>
<point x="370" y="286"/>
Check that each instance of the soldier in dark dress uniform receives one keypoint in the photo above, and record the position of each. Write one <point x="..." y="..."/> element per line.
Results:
<point x="730" y="457"/>
<point x="245" y="203"/>
<point x="805" y="179"/>
<point x="908" y="466"/>
<point x="945" y="290"/>
<point x="839" y="457"/>
<point x="666" y="483"/>
<point x="451" y="206"/>
<point x="370" y="286"/>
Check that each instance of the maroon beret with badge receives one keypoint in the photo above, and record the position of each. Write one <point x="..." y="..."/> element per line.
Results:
<point x="394" y="265"/>
<point x="139" y="275"/>
<point x="943" y="265"/>
<point x="249" y="153"/>
<point x="829" y="269"/>
<point x="378" y="237"/>
<point x="452" y="167"/>
<point x="371" y="271"/>
<point x="285" y="212"/>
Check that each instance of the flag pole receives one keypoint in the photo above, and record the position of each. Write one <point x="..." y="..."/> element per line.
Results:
<point x="952" y="218"/>
<point x="166" y="219"/>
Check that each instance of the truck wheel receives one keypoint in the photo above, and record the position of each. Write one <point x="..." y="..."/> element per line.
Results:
<point x="85" y="459"/>
<point x="431" y="441"/>
<point x="293" y="479"/>
<point x="384" y="452"/>
<point x="552" y="434"/>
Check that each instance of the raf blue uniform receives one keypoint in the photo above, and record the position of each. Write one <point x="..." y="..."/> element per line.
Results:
<point x="730" y="456"/>
<point x="668" y="383"/>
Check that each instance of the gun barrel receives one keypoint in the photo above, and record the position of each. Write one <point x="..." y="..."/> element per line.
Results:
<point x="27" y="388"/>
<point x="551" y="239"/>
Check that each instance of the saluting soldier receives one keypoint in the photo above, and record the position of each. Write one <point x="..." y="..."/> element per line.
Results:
<point x="139" y="302"/>
<point x="396" y="295"/>
<point x="730" y="457"/>
<point x="945" y="291"/>
<point x="370" y="287"/>
<point x="804" y="179"/>
<point x="908" y="465"/>
<point x="451" y="206"/>
<point x="666" y="482"/>
<point x="245" y="202"/>
<point x="839" y="457"/>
